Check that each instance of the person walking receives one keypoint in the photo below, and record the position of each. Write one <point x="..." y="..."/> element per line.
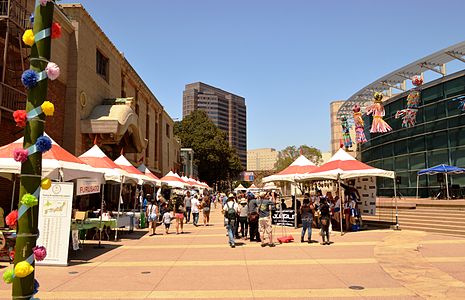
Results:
<point x="324" y="220"/>
<point x="152" y="212"/>
<point x="230" y="210"/>
<point x="167" y="217"/>
<point x="243" y="212"/>
<point x="264" y="220"/>
<point x="195" y="210"/>
<point x="206" y="204"/>
<point x="253" y="218"/>
<point x="179" y="214"/>
<point x="187" y="206"/>
<point x="306" y="211"/>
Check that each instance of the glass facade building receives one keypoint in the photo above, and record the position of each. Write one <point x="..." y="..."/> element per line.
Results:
<point x="437" y="138"/>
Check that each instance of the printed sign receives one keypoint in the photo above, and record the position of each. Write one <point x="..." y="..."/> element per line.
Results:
<point x="366" y="187"/>
<point x="87" y="186"/>
<point x="285" y="219"/>
<point x="55" y="205"/>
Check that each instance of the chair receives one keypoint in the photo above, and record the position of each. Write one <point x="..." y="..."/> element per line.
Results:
<point x="80" y="217"/>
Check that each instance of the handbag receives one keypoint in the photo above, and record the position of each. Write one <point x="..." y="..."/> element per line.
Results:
<point x="253" y="217"/>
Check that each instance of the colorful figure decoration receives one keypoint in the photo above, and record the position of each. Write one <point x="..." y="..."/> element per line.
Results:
<point x="359" y="125"/>
<point x="345" y="133"/>
<point x="409" y="115"/>
<point x="377" y="110"/>
<point x="461" y="100"/>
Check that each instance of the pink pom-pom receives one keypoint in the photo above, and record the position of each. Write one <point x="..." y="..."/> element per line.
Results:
<point x="417" y="80"/>
<point x="20" y="155"/>
<point x="56" y="30"/>
<point x="39" y="252"/>
<point x="12" y="219"/>
<point x="53" y="71"/>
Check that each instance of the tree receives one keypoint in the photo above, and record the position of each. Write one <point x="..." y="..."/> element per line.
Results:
<point x="215" y="159"/>
<point x="291" y="153"/>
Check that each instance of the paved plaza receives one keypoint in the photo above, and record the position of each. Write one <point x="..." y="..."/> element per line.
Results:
<point x="199" y="264"/>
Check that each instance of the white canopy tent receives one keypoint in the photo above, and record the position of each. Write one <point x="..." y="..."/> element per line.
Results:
<point x="240" y="188"/>
<point x="300" y="166"/>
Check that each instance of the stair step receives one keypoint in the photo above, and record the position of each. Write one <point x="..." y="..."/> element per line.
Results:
<point x="431" y="220"/>
<point x="421" y="214"/>
<point x="435" y="230"/>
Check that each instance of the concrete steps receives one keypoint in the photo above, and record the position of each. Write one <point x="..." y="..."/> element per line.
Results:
<point x="439" y="217"/>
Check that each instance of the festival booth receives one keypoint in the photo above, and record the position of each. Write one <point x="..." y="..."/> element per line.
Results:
<point x="240" y="188"/>
<point x="441" y="169"/>
<point x="343" y="166"/>
<point x="115" y="177"/>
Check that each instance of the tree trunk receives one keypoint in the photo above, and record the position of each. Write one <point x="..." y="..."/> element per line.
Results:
<point x="27" y="225"/>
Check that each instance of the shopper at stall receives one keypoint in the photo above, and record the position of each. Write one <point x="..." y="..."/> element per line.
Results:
<point x="195" y="210"/>
<point x="324" y="221"/>
<point x="230" y="211"/>
<point x="264" y="221"/>
<point x="187" y="206"/>
<point x="152" y="213"/>
<point x="243" y="212"/>
<point x="306" y="211"/>
<point x="206" y="204"/>
<point x="253" y="218"/>
<point x="179" y="214"/>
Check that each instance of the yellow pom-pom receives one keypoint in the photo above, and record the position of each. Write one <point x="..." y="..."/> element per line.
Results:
<point x="48" y="108"/>
<point x="46" y="183"/>
<point x="23" y="268"/>
<point x="28" y="37"/>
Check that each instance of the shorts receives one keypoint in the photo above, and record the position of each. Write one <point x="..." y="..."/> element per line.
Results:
<point x="206" y="211"/>
<point x="152" y="218"/>
<point x="167" y="225"/>
<point x="265" y="225"/>
<point x="179" y="216"/>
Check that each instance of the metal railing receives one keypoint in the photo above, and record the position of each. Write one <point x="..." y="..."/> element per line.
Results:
<point x="15" y="11"/>
<point x="11" y="99"/>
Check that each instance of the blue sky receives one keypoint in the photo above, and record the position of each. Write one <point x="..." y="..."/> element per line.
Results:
<point x="289" y="59"/>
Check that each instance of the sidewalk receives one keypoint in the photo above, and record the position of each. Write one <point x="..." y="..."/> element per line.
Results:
<point x="199" y="264"/>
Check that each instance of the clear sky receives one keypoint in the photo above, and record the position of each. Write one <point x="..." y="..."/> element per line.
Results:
<point x="288" y="58"/>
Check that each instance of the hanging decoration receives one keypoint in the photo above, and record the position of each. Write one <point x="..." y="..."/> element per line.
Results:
<point x="409" y="114"/>
<point x="377" y="111"/>
<point x="359" y="125"/>
<point x="461" y="101"/>
<point x="347" y="140"/>
<point x="12" y="219"/>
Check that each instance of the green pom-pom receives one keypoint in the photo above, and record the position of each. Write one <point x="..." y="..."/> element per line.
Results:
<point x="29" y="200"/>
<point x="8" y="275"/>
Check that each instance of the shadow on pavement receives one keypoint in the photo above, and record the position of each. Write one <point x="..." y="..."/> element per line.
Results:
<point x="89" y="252"/>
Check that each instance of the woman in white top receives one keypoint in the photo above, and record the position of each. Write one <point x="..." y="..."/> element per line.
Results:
<point x="152" y="213"/>
<point x="195" y="209"/>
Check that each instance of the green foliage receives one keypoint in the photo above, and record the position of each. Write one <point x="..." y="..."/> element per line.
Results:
<point x="215" y="159"/>
<point x="291" y="153"/>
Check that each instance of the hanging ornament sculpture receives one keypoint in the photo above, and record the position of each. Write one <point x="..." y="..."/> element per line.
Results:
<point x="461" y="100"/>
<point x="359" y="125"/>
<point x="409" y="115"/>
<point x="377" y="110"/>
<point x="345" y="133"/>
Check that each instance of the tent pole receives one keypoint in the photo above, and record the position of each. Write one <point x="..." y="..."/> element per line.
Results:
<point x="13" y="193"/>
<point x="341" y="202"/>
<point x="447" y="187"/>
<point x="417" y="186"/>
<point x="119" y="206"/>
<point x="295" y="205"/>
<point x="396" y="227"/>
<point x="101" y="214"/>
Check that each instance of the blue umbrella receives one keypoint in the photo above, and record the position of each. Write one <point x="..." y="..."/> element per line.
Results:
<point x="443" y="169"/>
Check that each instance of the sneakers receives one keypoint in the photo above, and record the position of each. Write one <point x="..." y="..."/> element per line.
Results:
<point x="301" y="240"/>
<point x="271" y="245"/>
<point x="233" y="246"/>
<point x="263" y="245"/>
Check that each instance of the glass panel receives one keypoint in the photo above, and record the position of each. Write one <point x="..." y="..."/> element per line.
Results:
<point x="437" y="140"/>
<point x="401" y="163"/>
<point x="432" y="94"/>
<point x="400" y="147"/>
<point x="416" y="144"/>
<point x="387" y="149"/>
<point x="457" y="156"/>
<point x="417" y="161"/>
<point x="440" y="110"/>
<point x="457" y="137"/>
<point x="429" y="112"/>
<point x="388" y="164"/>
<point x="454" y="87"/>
<point x="404" y="179"/>
<point x="438" y="157"/>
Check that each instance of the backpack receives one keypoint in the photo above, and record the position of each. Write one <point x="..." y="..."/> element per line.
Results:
<point x="230" y="213"/>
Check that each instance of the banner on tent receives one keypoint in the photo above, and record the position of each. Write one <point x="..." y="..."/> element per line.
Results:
<point x="55" y="207"/>
<point x="366" y="187"/>
<point x="87" y="186"/>
<point x="285" y="219"/>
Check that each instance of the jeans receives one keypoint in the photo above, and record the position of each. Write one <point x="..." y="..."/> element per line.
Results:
<point x="306" y="225"/>
<point x="253" y="231"/>
<point x="195" y="216"/>
<point x="188" y="214"/>
<point x="244" y="225"/>
<point x="325" y="231"/>
<point x="230" y="228"/>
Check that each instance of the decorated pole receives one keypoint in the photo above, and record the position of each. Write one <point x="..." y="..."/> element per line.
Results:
<point x="35" y="143"/>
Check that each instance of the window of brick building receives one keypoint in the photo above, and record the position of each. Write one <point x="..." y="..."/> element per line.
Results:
<point x="102" y="65"/>
<point x="167" y="130"/>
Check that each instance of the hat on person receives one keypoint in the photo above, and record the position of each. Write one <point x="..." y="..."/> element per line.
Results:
<point x="231" y="196"/>
<point x="243" y="201"/>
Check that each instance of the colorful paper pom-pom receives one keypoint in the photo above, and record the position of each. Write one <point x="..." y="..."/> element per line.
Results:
<point x="43" y="143"/>
<point x="12" y="218"/>
<point x="417" y="80"/>
<point x="56" y="30"/>
<point x="23" y="269"/>
<point x="48" y="108"/>
<point x="28" y="37"/>
<point x="20" y="155"/>
<point x="12" y="254"/>
<point x="29" y="78"/>
<point x="8" y="276"/>
<point x="46" y="183"/>
<point x="378" y="96"/>
<point x="39" y="252"/>
<point x="29" y="200"/>
<point x="20" y="117"/>
<point x="53" y="71"/>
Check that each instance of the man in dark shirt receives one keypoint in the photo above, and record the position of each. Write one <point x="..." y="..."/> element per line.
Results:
<point x="253" y="218"/>
<point x="324" y="219"/>
<point x="306" y="212"/>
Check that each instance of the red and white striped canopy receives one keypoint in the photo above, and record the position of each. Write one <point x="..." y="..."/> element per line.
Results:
<point x="56" y="163"/>
<point x="143" y="168"/>
<point x="344" y="166"/>
<point x="124" y="164"/>
<point x="300" y="166"/>
<point x="174" y="180"/>
<point x="96" y="158"/>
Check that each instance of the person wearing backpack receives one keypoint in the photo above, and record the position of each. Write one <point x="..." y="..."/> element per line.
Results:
<point x="230" y="210"/>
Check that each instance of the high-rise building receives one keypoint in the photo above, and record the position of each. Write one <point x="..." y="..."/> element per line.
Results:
<point x="263" y="159"/>
<point x="226" y="110"/>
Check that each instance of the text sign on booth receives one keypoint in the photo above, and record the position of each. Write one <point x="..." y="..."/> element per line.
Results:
<point x="87" y="186"/>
